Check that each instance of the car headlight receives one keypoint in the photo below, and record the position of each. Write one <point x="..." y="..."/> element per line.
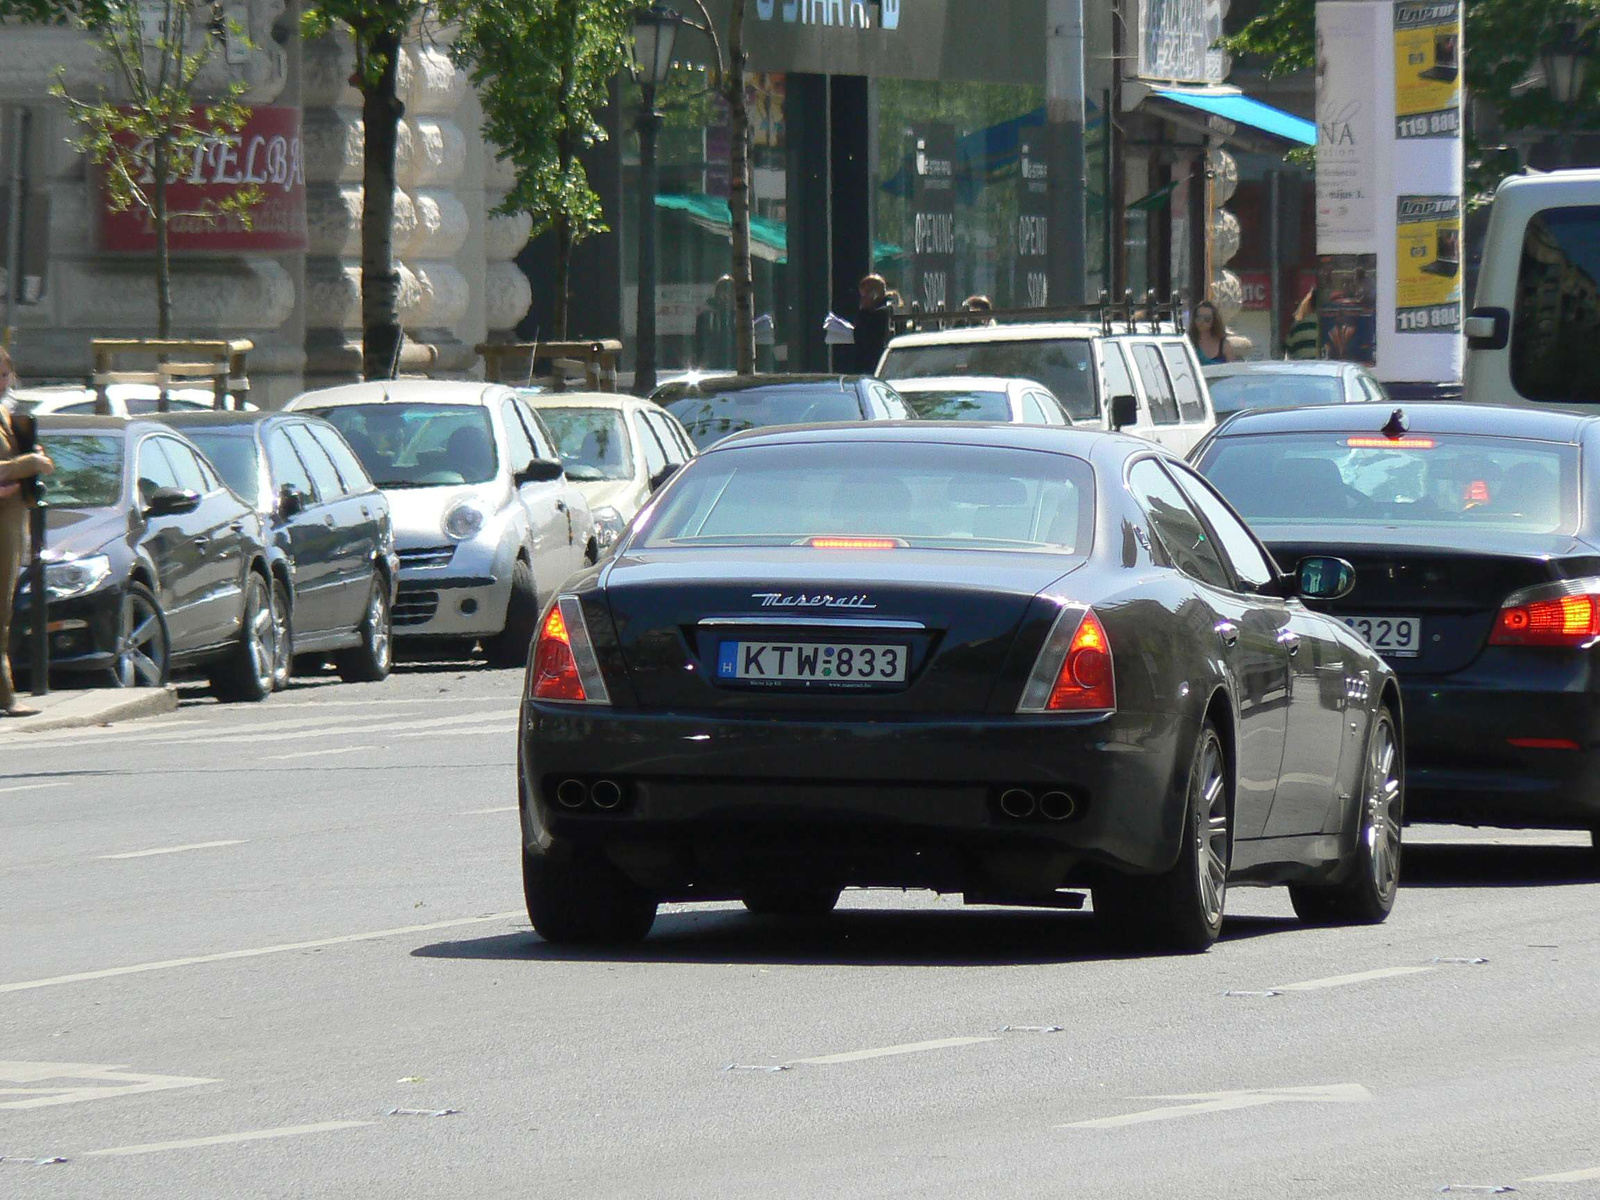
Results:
<point x="463" y="521"/>
<point x="70" y="577"/>
<point x="608" y="527"/>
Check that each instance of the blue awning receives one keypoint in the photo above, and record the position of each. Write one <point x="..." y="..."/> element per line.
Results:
<point x="1242" y="110"/>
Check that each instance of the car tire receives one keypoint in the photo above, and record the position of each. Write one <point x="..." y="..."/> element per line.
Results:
<point x="1365" y="896"/>
<point x="509" y="648"/>
<point x="283" y="636"/>
<point x="142" y="656"/>
<point x="1181" y="910"/>
<point x="581" y="898"/>
<point x="246" y="674"/>
<point x="371" y="661"/>
<point x="791" y="900"/>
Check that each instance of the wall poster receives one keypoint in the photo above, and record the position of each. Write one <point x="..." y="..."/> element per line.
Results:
<point x="1428" y="264"/>
<point x="1427" y="69"/>
<point x="1348" y="128"/>
<point x="1347" y="311"/>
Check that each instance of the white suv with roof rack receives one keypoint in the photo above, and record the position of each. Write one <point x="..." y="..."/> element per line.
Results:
<point x="1088" y="365"/>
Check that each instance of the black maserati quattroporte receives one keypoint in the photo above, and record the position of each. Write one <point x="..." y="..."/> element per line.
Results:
<point x="997" y="660"/>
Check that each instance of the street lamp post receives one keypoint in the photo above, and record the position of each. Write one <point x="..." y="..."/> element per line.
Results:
<point x="1566" y="63"/>
<point x="654" y="31"/>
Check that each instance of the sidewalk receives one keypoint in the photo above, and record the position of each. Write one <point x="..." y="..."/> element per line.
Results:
<point x="75" y="710"/>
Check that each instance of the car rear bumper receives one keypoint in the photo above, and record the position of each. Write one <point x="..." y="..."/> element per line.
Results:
<point x="1462" y="765"/>
<point x="705" y="802"/>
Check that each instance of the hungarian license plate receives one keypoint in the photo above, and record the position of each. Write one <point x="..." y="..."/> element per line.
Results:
<point x="811" y="662"/>
<point x="1400" y="636"/>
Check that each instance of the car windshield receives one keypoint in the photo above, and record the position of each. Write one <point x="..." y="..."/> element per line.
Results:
<point x="710" y="418"/>
<point x="957" y="406"/>
<point x="235" y="458"/>
<point x="1061" y="364"/>
<point x="944" y="497"/>
<point x="1283" y="389"/>
<point x="418" y="445"/>
<point x="592" y="442"/>
<point x="1365" y="481"/>
<point x="88" y="469"/>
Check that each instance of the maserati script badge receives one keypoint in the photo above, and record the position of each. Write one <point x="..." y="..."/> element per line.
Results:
<point x="821" y="600"/>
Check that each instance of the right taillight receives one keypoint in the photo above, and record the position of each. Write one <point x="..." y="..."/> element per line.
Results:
<point x="564" y="667"/>
<point x="1563" y="614"/>
<point x="1075" y="671"/>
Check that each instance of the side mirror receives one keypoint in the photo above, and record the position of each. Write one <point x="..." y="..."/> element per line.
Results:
<point x="1324" y="578"/>
<point x="540" y="470"/>
<point x="661" y="476"/>
<point x="1124" y="411"/>
<point x="291" y="501"/>
<point x="170" y="502"/>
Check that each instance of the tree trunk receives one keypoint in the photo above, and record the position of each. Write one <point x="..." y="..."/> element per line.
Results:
<point x="158" y="215"/>
<point x="381" y="111"/>
<point x="744" y="292"/>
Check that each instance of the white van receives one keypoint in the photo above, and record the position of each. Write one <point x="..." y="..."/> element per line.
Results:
<point x="1533" y="336"/>
<point x="1153" y="371"/>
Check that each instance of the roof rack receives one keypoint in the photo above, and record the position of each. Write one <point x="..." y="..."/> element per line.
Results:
<point x="1148" y="315"/>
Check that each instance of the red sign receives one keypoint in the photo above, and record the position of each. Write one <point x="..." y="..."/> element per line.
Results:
<point x="266" y="153"/>
<point x="1257" y="288"/>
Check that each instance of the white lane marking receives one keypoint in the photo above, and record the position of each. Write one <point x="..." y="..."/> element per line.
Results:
<point x="317" y="753"/>
<point x="227" y="955"/>
<point x="1566" y="1176"/>
<point x="223" y="1139"/>
<point x="1209" y="1102"/>
<point x="1333" y="981"/>
<point x="175" y="849"/>
<point x="107" y="1081"/>
<point x="33" y="787"/>
<point x="479" y="812"/>
<point x="886" y="1051"/>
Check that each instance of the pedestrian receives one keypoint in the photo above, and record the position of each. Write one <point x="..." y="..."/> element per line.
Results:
<point x="15" y="466"/>
<point x="981" y="305"/>
<point x="1209" y="333"/>
<point x="1301" y="341"/>
<point x="874" y="323"/>
<point x="713" y="327"/>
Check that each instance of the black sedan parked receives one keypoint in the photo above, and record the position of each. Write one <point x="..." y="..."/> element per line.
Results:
<point x="1477" y="555"/>
<point x="154" y="563"/>
<point x="993" y="659"/>
<point x="325" y="522"/>
<point x="712" y="409"/>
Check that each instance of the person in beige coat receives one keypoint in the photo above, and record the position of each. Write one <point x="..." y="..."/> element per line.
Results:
<point x="15" y="466"/>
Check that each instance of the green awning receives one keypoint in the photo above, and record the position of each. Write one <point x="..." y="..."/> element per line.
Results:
<point x="769" y="239"/>
<point x="1159" y="198"/>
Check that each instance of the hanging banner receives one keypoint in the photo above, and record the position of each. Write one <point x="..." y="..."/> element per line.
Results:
<point x="1427" y="69"/>
<point x="1348" y="129"/>
<point x="1347" y="309"/>
<point x="933" y="215"/>
<point x="1032" y="286"/>
<point x="1428" y="264"/>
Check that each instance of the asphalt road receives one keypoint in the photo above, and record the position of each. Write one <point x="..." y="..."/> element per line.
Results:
<point x="248" y="951"/>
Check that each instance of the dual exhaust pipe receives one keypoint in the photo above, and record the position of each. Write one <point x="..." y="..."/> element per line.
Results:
<point x="604" y="794"/>
<point x="1020" y="804"/>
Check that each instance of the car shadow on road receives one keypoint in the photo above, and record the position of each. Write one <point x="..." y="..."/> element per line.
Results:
<point x="1470" y="865"/>
<point x="849" y="937"/>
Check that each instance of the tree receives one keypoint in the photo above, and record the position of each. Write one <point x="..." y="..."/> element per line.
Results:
<point x="377" y="27"/>
<point x="148" y="137"/>
<point x="543" y="70"/>
<point x="1504" y="39"/>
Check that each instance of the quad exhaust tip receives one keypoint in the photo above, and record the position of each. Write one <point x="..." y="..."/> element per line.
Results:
<point x="1057" y="806"/>
<point x="1017" y="803"/>
<point x="606" y="794"/>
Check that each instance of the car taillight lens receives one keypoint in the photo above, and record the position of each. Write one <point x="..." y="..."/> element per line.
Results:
<point x="564" y="667"/>
<point x="1074" y="671"/>
<point x="1528" y="619"/>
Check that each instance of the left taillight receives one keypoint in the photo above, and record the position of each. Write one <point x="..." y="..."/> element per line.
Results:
<point x="1075" y="671"/>
<point x="564" y="668"/>
<point x="1559" y="614"/>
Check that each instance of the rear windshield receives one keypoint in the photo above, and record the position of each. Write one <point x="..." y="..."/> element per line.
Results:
<point x="1061" y="364"/>
<point x="945" y="497"/>
<point x="88" y="469"/>
<point x="957" y="406"/>
<point x="234" y="457"/>
<point x="1287" y="390"/>
<point x="1424" y="481"/>
<point x="418" y="445"/>
<point x="710" y="418"/>
<point x="1558" y="308"/>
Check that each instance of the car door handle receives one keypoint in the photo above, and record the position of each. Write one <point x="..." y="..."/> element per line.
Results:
<point x="365" y="511"/>
<point x="1290" y="641"/>
<point x="1228" y="632"/>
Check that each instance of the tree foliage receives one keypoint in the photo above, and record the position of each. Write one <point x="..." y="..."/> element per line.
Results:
<point x="146" y="134"/>
<point x="89" y="14"/>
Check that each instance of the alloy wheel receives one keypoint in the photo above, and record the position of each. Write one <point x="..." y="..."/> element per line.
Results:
<point x="282" y="640"/>
<point x="1383" y="815"/>
<point x="141" y="655"/>
<point x="261" y="633"/>
<point x="1211" y="829"/>
<point x="378" y="627"/>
